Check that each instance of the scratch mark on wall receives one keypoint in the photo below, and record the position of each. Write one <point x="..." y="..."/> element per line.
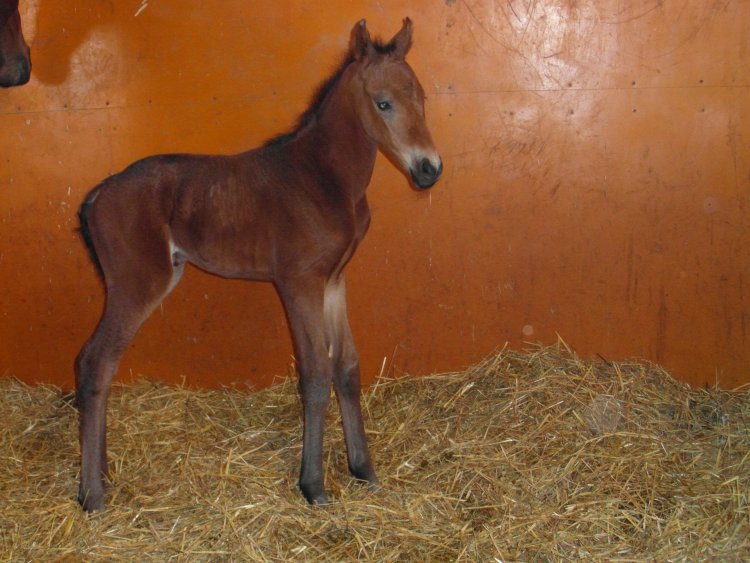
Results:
<point x="143" y="6"/>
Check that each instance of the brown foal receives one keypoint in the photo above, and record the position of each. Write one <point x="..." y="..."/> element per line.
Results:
<point x="291" y="212"/>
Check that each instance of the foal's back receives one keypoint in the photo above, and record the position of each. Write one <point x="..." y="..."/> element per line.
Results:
<point x="241" y="215"/>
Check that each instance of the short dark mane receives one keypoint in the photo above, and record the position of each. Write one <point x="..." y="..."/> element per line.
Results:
<point x="321" y="93"/>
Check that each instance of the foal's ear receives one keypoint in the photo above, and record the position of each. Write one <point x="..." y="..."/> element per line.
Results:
<point x="360" y="44"/>
<point x="402" y="40"/>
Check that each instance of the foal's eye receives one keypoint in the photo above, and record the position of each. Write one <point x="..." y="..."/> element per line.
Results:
<point x="383" y="106"/>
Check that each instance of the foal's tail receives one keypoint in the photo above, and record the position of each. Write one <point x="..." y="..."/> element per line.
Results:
<point x="85" y="232"/>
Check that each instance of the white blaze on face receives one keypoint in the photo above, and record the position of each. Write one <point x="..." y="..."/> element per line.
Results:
<point x="411" y="142"/>
<point x="397" y="120"/>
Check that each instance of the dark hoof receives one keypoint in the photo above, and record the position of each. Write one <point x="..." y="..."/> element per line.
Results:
<point x="372" y="486"/>
<point x="91" y="503"/>
<point x="314" y="495"/>
<point x="366" y="474"/>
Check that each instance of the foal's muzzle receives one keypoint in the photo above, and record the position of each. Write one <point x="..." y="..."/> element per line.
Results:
<point x="425" y="174"/>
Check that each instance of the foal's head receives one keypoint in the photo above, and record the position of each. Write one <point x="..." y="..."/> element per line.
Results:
<point x="15" y="64"/>
<point x="390" y="102"/>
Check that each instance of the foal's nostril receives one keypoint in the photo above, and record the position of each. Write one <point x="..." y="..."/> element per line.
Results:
<point x="427" y="168"/>
<point x="425" y="174"/>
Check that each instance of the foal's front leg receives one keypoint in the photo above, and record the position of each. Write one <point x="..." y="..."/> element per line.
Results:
<point x="303" y="302"/>
<point x="346" y="380"/>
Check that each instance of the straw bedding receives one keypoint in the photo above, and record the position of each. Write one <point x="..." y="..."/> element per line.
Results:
<point x="534" y="455"/>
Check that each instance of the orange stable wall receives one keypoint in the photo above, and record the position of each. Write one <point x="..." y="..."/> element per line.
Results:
<point x="596" y="183"/>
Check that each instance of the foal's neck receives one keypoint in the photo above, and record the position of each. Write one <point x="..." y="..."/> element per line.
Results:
<point x="337" y="137"/>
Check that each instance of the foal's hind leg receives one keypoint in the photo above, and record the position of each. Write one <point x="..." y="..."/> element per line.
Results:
<point x="128" y="304"/>
<point x="346" y="380"/>
<point x="96" y="365"/>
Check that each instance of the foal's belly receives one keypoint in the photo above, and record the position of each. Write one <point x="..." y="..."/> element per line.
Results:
<point x="227" y="258"/>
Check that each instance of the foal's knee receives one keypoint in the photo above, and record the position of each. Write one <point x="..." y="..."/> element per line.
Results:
<point x="314" y="389"/>
<point x="346" y="380"/>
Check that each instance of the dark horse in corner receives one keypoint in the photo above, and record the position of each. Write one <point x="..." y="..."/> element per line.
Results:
<point x="15" y="62"/>
<point x="291" y="212"/>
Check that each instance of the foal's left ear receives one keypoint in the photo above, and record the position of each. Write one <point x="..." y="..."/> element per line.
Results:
<point x="360" y="44"/>
<point x="402" y="40"/>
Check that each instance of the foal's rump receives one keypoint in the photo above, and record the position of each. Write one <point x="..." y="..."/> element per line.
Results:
<point x="124" y="220"/>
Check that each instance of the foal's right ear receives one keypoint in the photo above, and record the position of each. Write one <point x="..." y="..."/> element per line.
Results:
<point x="360" y="44"/>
